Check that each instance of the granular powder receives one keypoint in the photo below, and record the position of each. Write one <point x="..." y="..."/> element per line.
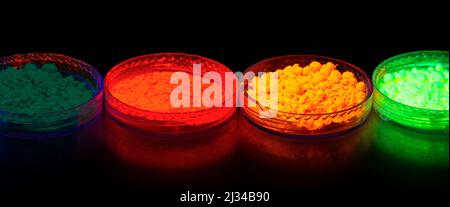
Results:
<point x="315" y="89"/>
<point x="151" y="91"/>
<point x="425" y="88"/>
<point x="32" y="90"/>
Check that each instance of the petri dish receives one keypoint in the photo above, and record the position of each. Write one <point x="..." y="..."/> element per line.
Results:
<point x="138" y="94"/>
<point x="411" y="90"/>
<point x="308" y="124"/>
<point x="55" y="123"/>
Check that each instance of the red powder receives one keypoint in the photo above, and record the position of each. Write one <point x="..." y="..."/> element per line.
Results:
<point x="139" y="90"/>
<point x="145" y="95"/>
<point x="151" y="91"/>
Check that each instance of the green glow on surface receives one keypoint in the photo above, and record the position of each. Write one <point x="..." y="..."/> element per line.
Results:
<point x="412" y="89"/>
<point x="410" y="147"/>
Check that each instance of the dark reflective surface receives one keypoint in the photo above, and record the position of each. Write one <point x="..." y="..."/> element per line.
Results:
<point x="406" y="157"/>
<point x="24" y="162"/>
<point x="149" y="159"/>
<point x="235" y="154"/>
<point x="295" y="162"/>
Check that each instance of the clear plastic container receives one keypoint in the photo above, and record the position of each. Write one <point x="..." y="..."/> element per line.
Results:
<point x="355" y="115"/>
<point x="412" y="117"/>
<point x="54" y="124"/>
<point x="164" y="122"/>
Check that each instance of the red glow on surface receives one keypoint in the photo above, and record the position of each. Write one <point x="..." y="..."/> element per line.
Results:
<point x="166" y="153"/>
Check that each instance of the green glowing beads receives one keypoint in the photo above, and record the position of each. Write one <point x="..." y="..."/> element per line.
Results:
<point x="33" y="90"/>
<point x="411" y="89"/>
<point x="422" y="88"/>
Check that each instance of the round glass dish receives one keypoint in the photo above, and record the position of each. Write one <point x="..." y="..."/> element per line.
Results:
<point x="54" y="124"/>
<point x="292" y="124"/>
<point x="413" y="117"/>
<point x="171" y="122"/>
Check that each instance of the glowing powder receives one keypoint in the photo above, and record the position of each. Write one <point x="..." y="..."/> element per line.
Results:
<point x="421" y="88"/>
<point x="412" y="90"/>
<point x="33" y="90"/>
<point x="316" y="89"/>
<point x="151" y="91"/>
<point x="165" y="93"/>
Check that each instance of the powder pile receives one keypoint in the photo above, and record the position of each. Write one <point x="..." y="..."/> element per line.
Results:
<point x="425" y="88"/>
<point x="32" y="90"/>
<point x="151" y="91"/>
<point x="316" y="89"/>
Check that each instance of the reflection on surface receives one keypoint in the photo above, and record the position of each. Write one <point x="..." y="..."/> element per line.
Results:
<point x="50" y="162"/>
<point x="292" y="157"/>
<point x="170" y="153"/>
<point x="376" y="154"/>
<point x="35" y="160"/>
<point x="410" y="147"/>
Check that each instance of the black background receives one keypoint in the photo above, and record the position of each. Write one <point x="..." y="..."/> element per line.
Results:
<point x="237" y="43"/>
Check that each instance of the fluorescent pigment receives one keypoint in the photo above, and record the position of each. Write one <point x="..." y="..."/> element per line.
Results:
<point x="151" y="91"/>
<point x="315" y="89"/>
<point x="45" y="95"/>
<point x="139" y="90"/>
<point x="33" y="90"/>
<point x="317" y="96"/>
<point x="425" y="88"/>
<point x="412" y="90"/>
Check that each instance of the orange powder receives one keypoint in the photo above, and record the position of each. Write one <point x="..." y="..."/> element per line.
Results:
<point x="149" y="91"/>
<point x="315" y="89"/>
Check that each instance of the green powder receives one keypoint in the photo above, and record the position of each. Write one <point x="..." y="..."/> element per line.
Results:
<point x="33" y="90"/>
<point x="425" y="88"/>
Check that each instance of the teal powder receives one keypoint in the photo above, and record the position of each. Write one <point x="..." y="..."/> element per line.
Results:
<point x="33" y="90"/>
